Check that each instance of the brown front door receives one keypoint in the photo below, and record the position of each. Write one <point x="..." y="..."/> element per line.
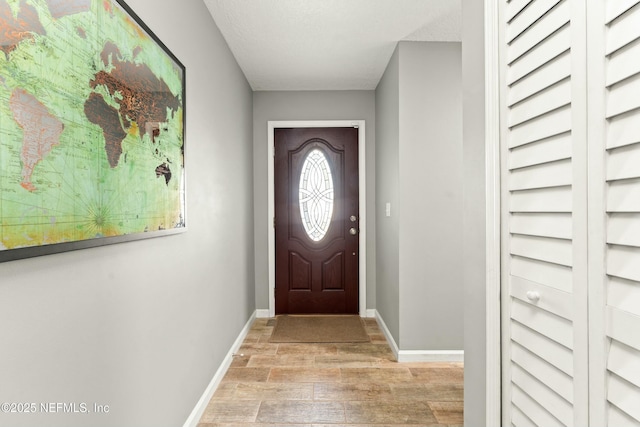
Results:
<point x="316" y="208"/>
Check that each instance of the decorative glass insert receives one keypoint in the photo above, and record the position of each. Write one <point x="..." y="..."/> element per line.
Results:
<point x="316" y="195"/>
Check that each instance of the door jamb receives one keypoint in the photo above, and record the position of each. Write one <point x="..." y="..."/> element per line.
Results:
<point x="362" y="183"/>
<point x="493" y="206"/>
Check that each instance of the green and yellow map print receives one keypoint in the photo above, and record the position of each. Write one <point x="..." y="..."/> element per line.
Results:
<point x="91" y="125"/>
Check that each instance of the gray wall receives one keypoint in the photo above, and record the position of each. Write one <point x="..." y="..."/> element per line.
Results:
<point x="474" y="252"/>
<point x="431" y="315"/>
<point x="387" y="191"/>
<point x="419" y="121"/>
<point x="308" y="105"/>
<point x="143" y="326"/>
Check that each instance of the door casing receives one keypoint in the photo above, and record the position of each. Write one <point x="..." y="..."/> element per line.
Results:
<point x="362" y="262"/>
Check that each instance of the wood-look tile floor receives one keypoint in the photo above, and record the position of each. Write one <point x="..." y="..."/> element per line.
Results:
<point x="331" y="385"/>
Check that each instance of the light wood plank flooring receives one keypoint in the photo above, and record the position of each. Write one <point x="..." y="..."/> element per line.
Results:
<point x="331" y="385"/>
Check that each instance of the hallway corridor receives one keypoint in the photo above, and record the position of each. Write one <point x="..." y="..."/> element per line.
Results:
<point x="317" y="385"/>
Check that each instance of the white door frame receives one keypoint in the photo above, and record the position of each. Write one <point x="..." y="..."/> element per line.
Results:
<point x="493" y="381"/>
<point x="362" y="260"/>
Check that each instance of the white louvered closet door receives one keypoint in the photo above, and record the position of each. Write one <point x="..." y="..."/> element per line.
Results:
<point x="570" y="148"/>
<point x="614" y="212"/>
<point x="544" y="214"/>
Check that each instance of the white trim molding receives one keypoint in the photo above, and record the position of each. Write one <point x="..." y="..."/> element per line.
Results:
<point x="262" y="313"/>
<point x="405" y="356"/>
<point x="387" y="334"/>
<point x="362" y="181"/>
<point x="493" y="207"/>
<point x="198" y="410"/>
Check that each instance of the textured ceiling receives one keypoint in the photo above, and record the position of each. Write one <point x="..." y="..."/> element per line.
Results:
<point x="327" y="44"/>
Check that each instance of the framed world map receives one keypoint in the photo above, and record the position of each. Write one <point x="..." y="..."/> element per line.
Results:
<point x="92" y="128"/>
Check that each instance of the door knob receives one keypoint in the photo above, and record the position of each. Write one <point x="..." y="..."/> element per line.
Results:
<point x="533" y="296"/>
<point x="353" y="231"/>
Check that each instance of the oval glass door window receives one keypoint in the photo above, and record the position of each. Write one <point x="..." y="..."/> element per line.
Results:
<point x="316" y="195"/>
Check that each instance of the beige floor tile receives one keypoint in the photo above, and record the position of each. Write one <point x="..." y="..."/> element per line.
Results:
<point x="246" y="375"/>
<point x="379" y="350"/>
<point x="256" y="328"/>
<point x="438" y="375"/>
<point x="379" y="425"/>
<point x="389" y="412"/>
<point x="226" y="390"/>
<point x="333" y="385"/>
<point x="314" y="349"/>
<point x="370" y="321"/>
<point x="342" y="391"/>
<point x="305" y="375"/>
<point x="375" y="375"/>
<point x="301" y="412"/>
<point x="448" y="412"/>
<point x="230" y="411"/>
<point x="264" y="339"/>
<point x="348" y="361"/>
<point x="260" y="331"/>
<point x="273" y="391"/>
<point x="378" y="338"/>
<point x="281" y="360"/>
<point x="240" y="361"/>
<point x="432" y="392"/>
<point x="255" y="348"/>
<point x="254" y="425"/>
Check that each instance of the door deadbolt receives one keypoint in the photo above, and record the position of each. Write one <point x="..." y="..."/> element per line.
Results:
<point x="353" y="231"/>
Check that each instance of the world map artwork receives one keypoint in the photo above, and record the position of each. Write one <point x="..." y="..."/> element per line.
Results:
<point x="91" y="125"/>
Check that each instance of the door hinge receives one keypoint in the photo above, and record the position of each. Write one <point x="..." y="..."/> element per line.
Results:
<point x="274" y="222"/>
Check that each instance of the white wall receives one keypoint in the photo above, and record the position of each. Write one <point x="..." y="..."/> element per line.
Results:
<point x="419" y="118"/>
<point x="143" y="326"/>
<point x="308" y="105"/>
<point x="474" y="251"/>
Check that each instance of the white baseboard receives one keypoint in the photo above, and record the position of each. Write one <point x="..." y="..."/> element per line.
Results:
<point x="262" y="313"/>
<point x="370" y="312"/>
<point x="387" y="335"/>
<point x="197" y="412"/>
<point x="431" y="356"/>
<point x="417" y="355"/>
